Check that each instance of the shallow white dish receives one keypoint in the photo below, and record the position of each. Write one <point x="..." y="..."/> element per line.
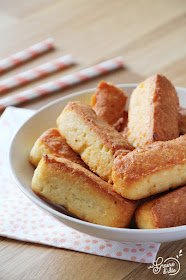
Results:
<point x="23" y="171"/>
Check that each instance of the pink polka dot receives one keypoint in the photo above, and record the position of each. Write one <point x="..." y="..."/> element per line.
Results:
<point x="119" y="254"/>
<point x="108" y="255"/>
<point x="109" y="245"/>
<point x="152" y="246"/>
<point x="142" y="260"/>
<point x="138" y="244"/>
<point x="76" y="243"/>
<point x="133" y="250"/>
<point x="73" y="232"/>
<point x="35" y="234"/>
<point x="149" y="254"/>
<point x="62" y="234"/>
<point x="133" y="258"/>
<point x="54" y="232"/>
<point x="3" y="230"/>
<point x="33" y="222"/>
<point x="25" y="232"/>
<point x="11" y="222"/>
<point x="78" y="236"/>
<point x="63" y="240"/>
<point x="34" y="227"/>
<point x="125" y="249"/>
<point x="87" y="241"/>
<point x="47" y="238"/>
<point x="141" y="249"/>
<point x="45" y="233"/>
<point x="95" y="241"/>
<point x="54" y="239"/>
<point x="102" y="247"/>
<point x="87" y="248"/>
<point x="42" y="226"/>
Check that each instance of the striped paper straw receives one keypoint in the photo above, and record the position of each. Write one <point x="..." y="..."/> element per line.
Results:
<point x="36" y="73"/>
<point x="64" y="82"/>
<point x="26" y="55"/>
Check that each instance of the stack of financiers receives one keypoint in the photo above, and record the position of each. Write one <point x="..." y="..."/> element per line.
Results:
<point x="105" y="165"/>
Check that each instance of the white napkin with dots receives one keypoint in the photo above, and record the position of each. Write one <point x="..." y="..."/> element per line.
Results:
<point x="21" y="219"/>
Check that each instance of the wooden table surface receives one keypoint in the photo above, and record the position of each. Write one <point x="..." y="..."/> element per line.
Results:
<point x="151" y="36"/>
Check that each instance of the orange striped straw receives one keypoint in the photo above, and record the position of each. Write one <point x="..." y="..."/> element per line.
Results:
<point x="43" y="70"/>
<point x="64" y="82"/>
<point x="25" y="55"/>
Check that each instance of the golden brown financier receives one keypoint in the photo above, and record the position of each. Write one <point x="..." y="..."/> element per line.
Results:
<point x="81" y="192"/>
<point x="166" y="211"/>
<point x="152" y="169"/>
<point x="91" y="137"/>
<point x="109" y="104"/>
<point x="153" y="112"/>
<point x="51" y="142"/>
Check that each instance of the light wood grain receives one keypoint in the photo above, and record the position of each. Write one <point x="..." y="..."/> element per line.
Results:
<point x="150" y="35"/>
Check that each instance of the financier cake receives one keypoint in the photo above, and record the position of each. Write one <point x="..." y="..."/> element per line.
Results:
<point x="166" y="211"/>
<point x="152" y="169"/>
<point x="109" y="103"/>
<point x="51" y="142"/>
<point x="81" y="192"/>
<point x="153" y="112"/>
<point x="91" y="137"/>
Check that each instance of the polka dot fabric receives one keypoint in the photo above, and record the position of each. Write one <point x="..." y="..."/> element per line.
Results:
<point x="20" y="219"/>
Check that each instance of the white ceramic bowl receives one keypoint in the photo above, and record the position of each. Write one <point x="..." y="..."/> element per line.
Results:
<point x="23" y="171"/>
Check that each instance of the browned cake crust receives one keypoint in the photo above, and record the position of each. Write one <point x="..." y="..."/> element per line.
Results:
<point x="166" y="211"/>
<point x="111" y="138"/>
<point x="51" y="142"/>
<point x="182" y="122"/>
<point x="152" y="169"/>
<point x="109" y="103"/>
<point x="90" y="136"/>
<point x="153" y="112"/>
<point x="81" y="192"/>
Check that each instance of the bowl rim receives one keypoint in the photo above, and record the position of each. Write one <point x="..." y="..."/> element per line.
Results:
<point x="54" y="212"/>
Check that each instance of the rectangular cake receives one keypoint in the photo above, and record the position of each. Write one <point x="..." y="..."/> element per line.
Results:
<point x="109" y="104"/>
<point x="51" y="142"/>
<point x="166" y="211"/>
<point x="81" y="192"/>
<point x="91" y="137"/>
<point x="152" y="169"/>
<point x="153" y="112"/>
